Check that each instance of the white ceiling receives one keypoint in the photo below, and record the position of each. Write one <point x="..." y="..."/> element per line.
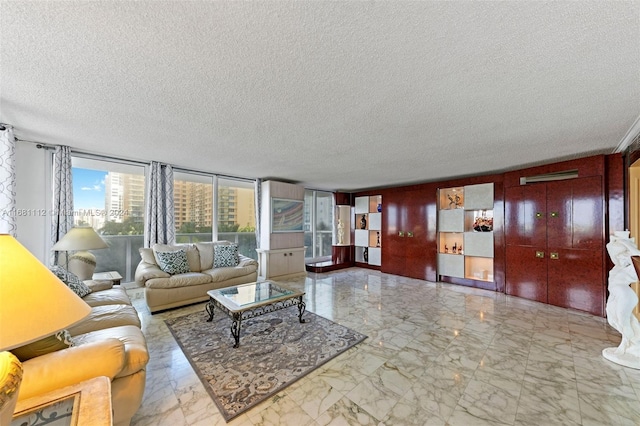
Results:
<point x="333" y="95"/>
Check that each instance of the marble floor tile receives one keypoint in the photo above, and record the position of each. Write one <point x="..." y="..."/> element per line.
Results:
<point x="437" y="354"/>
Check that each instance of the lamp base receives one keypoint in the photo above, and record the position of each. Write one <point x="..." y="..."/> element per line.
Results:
<point x="10" y="378"/>
<point x="82" y="264"/>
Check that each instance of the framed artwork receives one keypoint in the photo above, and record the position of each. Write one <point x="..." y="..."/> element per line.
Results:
<point x="287" y="215"/>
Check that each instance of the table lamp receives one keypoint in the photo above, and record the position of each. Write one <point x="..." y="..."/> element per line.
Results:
<point x="34" y="304"/>
<point x="80" y="239"/>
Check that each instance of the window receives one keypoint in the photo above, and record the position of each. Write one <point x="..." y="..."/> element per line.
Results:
<point x="194" y="215"/>
<point x="318" y="225"/>
<point x="237" y="214"/>
<point x="109" y="196"/>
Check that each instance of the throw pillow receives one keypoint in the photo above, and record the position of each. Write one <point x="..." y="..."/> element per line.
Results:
<point x="193" y="257"/>
<point x="225" y="256"/>
<point x="56" y="342"/>
<point x="71" y="280"/>
<point x="173" y="262"/>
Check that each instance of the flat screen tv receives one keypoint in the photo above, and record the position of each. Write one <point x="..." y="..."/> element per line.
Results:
<point x="287" y="215"/>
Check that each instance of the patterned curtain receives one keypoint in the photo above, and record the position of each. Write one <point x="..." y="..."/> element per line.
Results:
<point x="258" y="201"/>
<point x="62" y="217"/>
<point x="7" y="180"/>
<point x="159" y="216"/>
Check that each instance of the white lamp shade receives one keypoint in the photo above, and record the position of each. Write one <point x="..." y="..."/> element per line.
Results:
<point x="34" y="303"/>
<point x="80" y="238"/>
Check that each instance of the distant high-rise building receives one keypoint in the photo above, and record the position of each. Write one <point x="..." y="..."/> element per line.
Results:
<point x="124" y="197"/>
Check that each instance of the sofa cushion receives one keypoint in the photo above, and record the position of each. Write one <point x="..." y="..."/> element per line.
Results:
<point x="205" y="250"/>
<point x="173" y="262"/>
<point x="106" y="316"/>
<point x="193" y="257"/>
<point x="55" y="342"/>
<point x="179" y="280"/>
<point x="225" y="256"/>
<point x="113" y="296"/>
<point x="71" y="280"/>
<point x="146" y="254"/>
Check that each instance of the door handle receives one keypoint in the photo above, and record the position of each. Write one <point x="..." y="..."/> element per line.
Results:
<point x="554" y="256"/>
<point x="555" y="214"/>
<point x="409" y="234"/>
<point x="539" y="215"/>
<point x="540" y="254"/>
<point x="400" y="234"/>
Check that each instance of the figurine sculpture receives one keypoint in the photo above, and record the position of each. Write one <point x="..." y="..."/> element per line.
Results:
<point x="340" y="232"/>
<point x="363" y="222"/>
<point x="622" y="300"/>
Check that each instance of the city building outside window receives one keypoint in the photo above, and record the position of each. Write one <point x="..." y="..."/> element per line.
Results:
<point x="318" y="224"/>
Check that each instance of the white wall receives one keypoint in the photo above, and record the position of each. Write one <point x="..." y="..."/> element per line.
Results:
<point x="33" y="199"/>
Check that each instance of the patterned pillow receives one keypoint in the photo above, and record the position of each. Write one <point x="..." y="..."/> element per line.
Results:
<point x="71" y="280"/>
<point x="173" y="262"/>
<point x="225" y="256"/>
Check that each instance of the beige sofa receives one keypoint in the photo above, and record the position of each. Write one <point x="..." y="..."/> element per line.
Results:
<point x="110" y="345"/>
<point x="163" y="290"/>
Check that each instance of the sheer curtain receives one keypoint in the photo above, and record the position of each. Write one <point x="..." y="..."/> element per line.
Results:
<point x="62" y="211"/>
<point x="258" y="201"/>
<point x="159" y="215"/>
<point x="7" y="180"/>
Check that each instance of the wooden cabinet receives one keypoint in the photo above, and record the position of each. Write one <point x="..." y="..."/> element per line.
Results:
<point x="555" y="243"/>
<point x="281" y="262"/>
<point x="368" y="230"/>
<point x="465" y="232"/>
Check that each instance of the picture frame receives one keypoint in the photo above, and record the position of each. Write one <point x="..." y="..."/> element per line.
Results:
<point x="287" y="215"/>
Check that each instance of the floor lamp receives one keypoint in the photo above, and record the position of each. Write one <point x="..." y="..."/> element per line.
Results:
<point x="80" y="239"/>
<point x="35" y="304"/>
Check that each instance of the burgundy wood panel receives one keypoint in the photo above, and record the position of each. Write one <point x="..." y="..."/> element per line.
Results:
<point x="525" y="215"/>
<point x="499" y="247"/>
<point x="416" y="250"/>
<point x="588" y="213"/>
<point x="392" y="243"/>
<point x="342" y="199"/>
<point x="342" y="254"/>
<point x="589" y="166"/>
<point x="616" y="206"/>
<point x="559" y="218"/>
<point x="526" y="274"/>
<point x="575" y="280"/>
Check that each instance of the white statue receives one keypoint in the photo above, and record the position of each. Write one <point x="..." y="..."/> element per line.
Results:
<point x="340" y="231"/>
<point x="622" y="300"/>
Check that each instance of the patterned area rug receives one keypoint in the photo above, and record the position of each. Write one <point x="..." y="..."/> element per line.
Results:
<point x="275" y="351"/>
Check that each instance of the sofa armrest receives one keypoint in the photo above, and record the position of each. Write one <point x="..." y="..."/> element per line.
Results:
<point x="70" y="366"/>
<point x="145" y="271"/>
<point x="246" y="261"/>
<point x="99" y="285"/>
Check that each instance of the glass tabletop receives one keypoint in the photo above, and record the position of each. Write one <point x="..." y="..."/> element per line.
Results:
<point x="247" y="295"/>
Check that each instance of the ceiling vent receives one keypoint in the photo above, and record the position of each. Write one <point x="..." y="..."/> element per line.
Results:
<point x="549" y="177"/>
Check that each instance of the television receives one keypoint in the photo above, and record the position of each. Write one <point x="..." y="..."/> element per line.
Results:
<point x="287" y="215"/>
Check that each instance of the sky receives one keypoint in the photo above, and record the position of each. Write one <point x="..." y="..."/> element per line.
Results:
<point x="88" y="188"/>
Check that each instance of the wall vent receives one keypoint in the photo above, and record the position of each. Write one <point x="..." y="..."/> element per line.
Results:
<point x="550" y="177"/>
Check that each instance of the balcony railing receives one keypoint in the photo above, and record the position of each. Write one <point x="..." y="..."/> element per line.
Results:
<point x="123" y="255"/>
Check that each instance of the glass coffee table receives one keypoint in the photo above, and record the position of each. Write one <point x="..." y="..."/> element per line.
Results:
<point x="246" y="301"/>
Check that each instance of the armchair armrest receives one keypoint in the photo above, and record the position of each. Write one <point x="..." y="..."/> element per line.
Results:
<point x="70" y="366"/>
<point x="246" y="261"/>
<point x="145" y="271"/>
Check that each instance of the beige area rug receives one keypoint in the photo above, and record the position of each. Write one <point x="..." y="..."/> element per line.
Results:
<point x="275" y="351"/>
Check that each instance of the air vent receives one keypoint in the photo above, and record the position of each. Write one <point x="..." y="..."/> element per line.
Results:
<point x="549" y="177"/>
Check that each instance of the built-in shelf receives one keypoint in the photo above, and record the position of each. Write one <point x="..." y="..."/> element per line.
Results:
<point x="465" y="232"/>
<point x="368" y="230"/>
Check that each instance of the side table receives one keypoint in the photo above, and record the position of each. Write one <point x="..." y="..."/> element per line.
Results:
<point x="111" y="275"/>
<point x="86" y="403"/>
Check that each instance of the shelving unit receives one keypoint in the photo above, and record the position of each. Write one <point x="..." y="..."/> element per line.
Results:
<point x="465" y="232"/>
<point x="368" y="230"/>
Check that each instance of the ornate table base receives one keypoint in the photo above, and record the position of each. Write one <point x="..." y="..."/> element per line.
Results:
<point x="238" y="317"/>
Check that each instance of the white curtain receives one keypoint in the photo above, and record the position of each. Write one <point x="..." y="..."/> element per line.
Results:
<point x="159" y="216"/>
<point x="7" y="180"/>
<point x="258" y="201"/>
<point x="62" y="217"/>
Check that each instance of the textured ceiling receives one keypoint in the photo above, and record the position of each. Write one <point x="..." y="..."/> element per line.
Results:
<point x="333" y="95"/>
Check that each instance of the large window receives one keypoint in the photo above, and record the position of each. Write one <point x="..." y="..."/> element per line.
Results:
<point x="237" y="214"/>
<point x="193" y="207"/>
<point x="234" y="210"/>
<point x="109" y="197"/>
<point x="318" y="225"/>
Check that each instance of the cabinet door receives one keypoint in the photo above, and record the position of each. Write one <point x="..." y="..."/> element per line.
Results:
<point x="526" y="273"/>
<point x="416" y="242"/>
<point x="295" y="262"/>
<point x="278" y="264"/>
<point x="576" y="281"/>
<point x="525" y="214"/>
